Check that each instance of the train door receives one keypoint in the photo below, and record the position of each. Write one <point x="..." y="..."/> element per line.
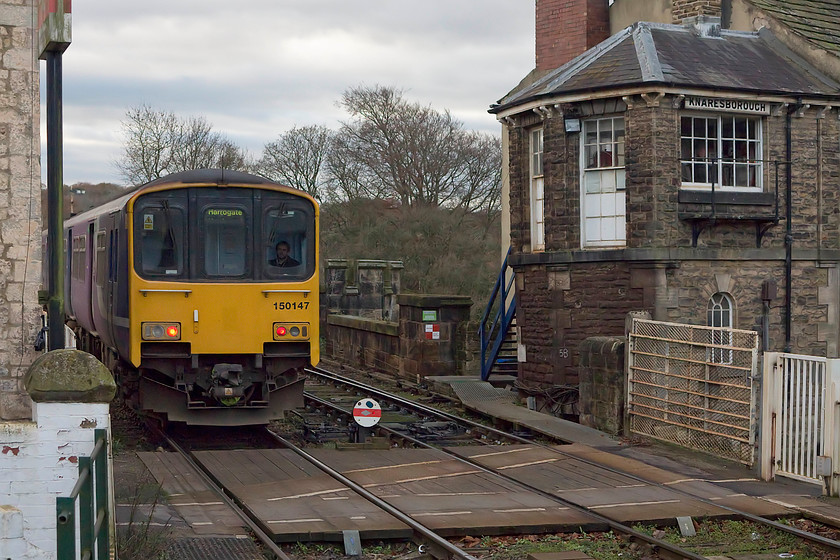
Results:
<point x="70" y="249"/>
<point x="107" y="260"/>
<point x="223" y="238"/>
<point x="119" y="280"/>
<point x="88" y="279"/>
<point x="99" y="307"/>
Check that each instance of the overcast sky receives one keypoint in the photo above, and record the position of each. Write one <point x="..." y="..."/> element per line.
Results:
<point x="256" y="68"/>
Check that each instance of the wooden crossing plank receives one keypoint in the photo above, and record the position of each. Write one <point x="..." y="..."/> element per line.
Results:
<point x="614" y="495"/>
<point x="430" y="486"/>
<point x="190" y="497"/>
<point x="296" y="501"/>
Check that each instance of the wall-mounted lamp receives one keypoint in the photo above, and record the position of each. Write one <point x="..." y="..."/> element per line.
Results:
<point x="572" y="124"/>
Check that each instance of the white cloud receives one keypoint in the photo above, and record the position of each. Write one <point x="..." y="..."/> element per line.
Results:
<point x="258" y="67"/>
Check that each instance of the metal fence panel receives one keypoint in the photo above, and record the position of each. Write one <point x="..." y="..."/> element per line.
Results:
<point x="693" y="386"/>
<point x="801" y="420"/>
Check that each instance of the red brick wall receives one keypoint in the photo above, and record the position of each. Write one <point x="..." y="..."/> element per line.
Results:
<point x="567" y="28"/>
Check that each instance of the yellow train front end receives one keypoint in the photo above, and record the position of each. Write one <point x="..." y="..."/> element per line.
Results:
<point x="221" y="326"/>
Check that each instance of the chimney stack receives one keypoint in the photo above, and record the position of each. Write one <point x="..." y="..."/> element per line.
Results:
<point x="682" y="9"/>
<point x="566" y="29"/>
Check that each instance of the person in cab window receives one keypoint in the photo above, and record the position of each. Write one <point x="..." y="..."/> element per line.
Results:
<point x="282" y="257"/>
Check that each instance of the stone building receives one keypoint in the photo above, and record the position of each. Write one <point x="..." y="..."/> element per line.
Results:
<point x="675" y="157"/>
<point x="20" y="209"/>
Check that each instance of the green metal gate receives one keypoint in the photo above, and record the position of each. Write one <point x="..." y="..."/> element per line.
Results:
<point x="91" y="495"/>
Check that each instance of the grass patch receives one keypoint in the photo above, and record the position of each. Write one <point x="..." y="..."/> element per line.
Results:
<point x="144" y="538"/>
<point x="734" y="538"/>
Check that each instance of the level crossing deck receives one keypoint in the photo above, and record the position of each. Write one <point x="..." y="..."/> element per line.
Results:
<point x="295" y="501"/>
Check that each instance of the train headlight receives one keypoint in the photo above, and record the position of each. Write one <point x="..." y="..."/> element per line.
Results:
<point x="291" y="331"/>
<point x="161" y="331"/>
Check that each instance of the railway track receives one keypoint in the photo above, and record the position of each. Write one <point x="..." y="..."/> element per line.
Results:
<point x="483" y="434"/>
<point x="428" y="541"/>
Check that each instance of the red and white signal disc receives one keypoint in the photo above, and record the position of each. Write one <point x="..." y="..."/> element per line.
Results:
<point x="367" y="413"/>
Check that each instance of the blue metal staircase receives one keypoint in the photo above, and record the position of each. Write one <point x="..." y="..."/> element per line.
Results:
<point x="493" y="331"/>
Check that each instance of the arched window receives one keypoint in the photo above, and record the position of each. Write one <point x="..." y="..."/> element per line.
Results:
<point x="719" y="315"/>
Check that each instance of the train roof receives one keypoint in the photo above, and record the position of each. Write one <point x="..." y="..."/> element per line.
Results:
<point x="196" y="176"/>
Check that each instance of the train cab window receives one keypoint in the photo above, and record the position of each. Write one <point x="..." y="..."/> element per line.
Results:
<point x="225" y="240"/>
<point x="159" y="250"/>
<point x="288" y="250"/>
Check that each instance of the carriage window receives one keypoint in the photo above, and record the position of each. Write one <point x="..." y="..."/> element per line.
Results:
<point x="100" y="258"/>
<point x="288" y="238"/>
<point x="160" y="246"/>
<point x="225" y="241"/>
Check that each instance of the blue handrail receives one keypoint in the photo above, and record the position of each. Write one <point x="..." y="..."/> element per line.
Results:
<point x="492" y="333"/>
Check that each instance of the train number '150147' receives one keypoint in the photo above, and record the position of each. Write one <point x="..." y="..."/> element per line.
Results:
<point x="291" y="305"/>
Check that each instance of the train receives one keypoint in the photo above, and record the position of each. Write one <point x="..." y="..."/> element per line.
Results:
<point x="200" y="292"/>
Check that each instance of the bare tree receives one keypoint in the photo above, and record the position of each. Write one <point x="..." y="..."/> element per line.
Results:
<point x="347" y="177"/>
<point x="147" y="148"/>
<point x="158" y="143"/>
<point x="297" y="158"/>
<point x="414" y="153"/>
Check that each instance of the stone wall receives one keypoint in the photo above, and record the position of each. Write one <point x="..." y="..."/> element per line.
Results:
<point x="566" y="295"/>
<point x="20" y="196"/>
<point x="363" y="343"/>
<point x="39" y="457"/>
<point x="438" y="346"/>
<point x="432" y="336"/>
<point x="363" y="288"/>
<point x="603" y="384"/>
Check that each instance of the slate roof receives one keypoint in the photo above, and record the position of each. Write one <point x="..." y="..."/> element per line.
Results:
<point x="680" y="56"/>
<point x="818" y="21"/>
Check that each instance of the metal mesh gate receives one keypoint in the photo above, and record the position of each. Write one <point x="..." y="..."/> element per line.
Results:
<point x="800" y="422"/>
<point x="692" y="385"/>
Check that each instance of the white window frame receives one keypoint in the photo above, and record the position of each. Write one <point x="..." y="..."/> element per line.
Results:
<point x="537" y="188"/>
<point x="602" y="183"/>
<point x="725" y="149"/>
<point x="719" y="315"/>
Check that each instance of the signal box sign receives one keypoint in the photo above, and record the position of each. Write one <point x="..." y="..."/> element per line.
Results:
<point x="433" y="331"/>
<point x="367" y="413"/>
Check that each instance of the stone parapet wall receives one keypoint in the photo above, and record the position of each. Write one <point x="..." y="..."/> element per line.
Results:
<point x="363" y="288"/>
<point x="39" y="463"/>
<point x="363" y="343"/>
<point x="433" y="336"/>
<point x="20" y="196"/>
<point x="603" y="384"/>
<point x="39" y="457"/>
<point x="446" y="351"/>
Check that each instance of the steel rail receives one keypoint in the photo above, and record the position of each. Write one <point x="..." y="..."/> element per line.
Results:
<point x="654" y="543"/>
<point x="817" y="539"/>
<point x="418" y="528"/>
<point x="244" y="516"/>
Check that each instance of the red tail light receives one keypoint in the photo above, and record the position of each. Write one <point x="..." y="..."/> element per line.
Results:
<point x="172" y="331"/>
<point x="281" y="331"/>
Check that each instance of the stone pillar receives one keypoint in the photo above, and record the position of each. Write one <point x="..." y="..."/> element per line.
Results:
<point x="433" y="334"/>
<point x="20" y="204"/>
<point x="363" y="288"/>
<point x="70" y="391"/>
<point x="602" y="384"/>
<point x="336" y="280"/>
<point x="390" y="290"/>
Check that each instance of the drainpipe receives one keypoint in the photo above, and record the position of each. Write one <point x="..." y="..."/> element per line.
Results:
<point x="788" y="217"/>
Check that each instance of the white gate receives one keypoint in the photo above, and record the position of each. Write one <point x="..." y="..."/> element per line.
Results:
<point x="799" y="413"/>
<point x="693" y="385"/>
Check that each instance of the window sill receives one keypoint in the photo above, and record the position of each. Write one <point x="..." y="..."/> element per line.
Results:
<point x="746" y="198"/>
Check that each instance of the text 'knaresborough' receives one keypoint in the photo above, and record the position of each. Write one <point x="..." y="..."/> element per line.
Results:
<point x="731" y="105"/>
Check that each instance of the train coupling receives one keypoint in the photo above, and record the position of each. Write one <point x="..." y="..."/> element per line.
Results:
<point x="227" y="381"/>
